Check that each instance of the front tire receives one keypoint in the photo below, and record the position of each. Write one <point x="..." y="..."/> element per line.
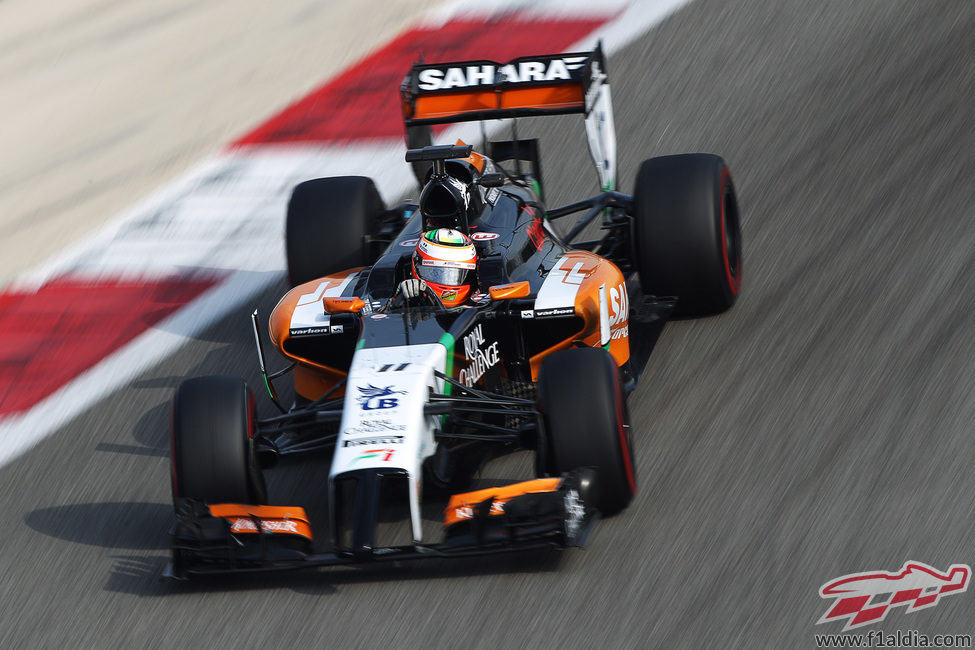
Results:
<point x="687" y="233"/>
<point x="211" y="441"/>
<point x="585" y="423"/>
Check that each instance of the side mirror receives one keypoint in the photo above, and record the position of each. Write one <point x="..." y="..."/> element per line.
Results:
<point x="491" y="180"/>
<point x="509" y="291"/>
<point x="343" y="305"/>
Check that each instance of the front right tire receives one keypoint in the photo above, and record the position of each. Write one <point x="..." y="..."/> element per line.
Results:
<point x="211" y="442"/>
<point x="585" y="423"/>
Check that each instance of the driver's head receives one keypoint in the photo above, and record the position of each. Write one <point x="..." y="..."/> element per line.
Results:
<point x="446" y="260"/>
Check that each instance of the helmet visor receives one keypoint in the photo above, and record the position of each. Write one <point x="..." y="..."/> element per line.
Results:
<point x="440" y="272"/>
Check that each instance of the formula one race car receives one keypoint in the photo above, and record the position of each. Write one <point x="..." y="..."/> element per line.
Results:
<point x="410" y="387"/>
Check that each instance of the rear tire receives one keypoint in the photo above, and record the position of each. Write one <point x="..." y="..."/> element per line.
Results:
<point x="212" y="450"/>
<point x="686" y="232"/>
<point x="585" y="423"/>
<point x="327" y="226"/>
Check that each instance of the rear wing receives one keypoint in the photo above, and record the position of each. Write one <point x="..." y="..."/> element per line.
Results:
<point x="553" y="84"/>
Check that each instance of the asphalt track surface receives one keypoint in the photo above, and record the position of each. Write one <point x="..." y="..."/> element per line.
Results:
<point x="822" y="427"/>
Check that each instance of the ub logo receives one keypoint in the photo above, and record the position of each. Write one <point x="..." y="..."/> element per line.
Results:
<point x="372" y="397"/>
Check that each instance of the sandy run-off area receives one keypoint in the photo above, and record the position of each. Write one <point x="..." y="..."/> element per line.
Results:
<point x="105" y="101"/>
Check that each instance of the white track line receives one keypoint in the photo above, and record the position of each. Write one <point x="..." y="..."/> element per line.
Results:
<point x="192" y="218"/>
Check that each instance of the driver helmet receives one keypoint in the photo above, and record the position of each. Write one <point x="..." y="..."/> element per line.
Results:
<point x="446" y="260"/>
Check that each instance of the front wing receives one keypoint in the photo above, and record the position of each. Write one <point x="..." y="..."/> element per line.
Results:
<point x="236" y="538"/>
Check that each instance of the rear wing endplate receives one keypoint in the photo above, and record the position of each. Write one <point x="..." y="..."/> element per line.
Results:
<point x="553" y="84"/>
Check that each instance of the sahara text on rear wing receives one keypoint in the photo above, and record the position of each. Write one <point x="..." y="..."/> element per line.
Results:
<point x="552" y="84"/>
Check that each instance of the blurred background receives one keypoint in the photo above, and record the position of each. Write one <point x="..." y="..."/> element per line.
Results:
<point x="821" y="427"/>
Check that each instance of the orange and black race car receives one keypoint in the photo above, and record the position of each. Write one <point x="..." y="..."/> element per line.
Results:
<point x="407" y="391"/>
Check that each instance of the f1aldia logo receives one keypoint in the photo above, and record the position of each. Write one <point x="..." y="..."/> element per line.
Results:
<point x="865" y="598"/>
<point x="372" y="397"/>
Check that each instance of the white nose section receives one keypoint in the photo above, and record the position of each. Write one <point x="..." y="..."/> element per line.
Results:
<point x="383" y="426"/>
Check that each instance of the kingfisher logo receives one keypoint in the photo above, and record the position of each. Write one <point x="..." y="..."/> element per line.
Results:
<point x="865" y="598"/>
